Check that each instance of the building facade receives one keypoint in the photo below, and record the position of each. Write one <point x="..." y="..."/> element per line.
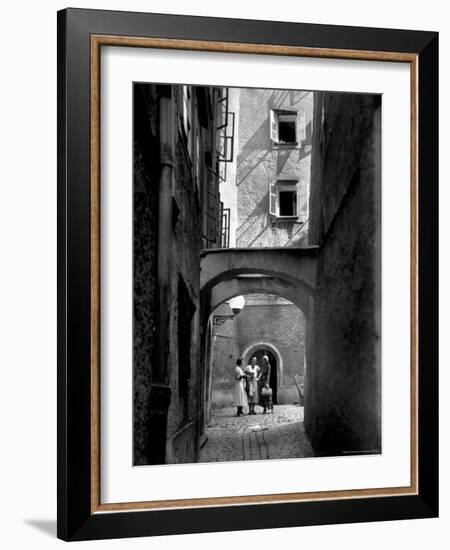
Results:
<point x="270" y="195"/>
<point x="266" y="188"/>
<point x="343" y="376"/>
<point x="268" y="181"/>
<point x="246" y="335"/>
<point x="177" y="151"/>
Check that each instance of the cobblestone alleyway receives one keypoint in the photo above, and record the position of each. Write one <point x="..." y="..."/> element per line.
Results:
<point x="256" y="437"/>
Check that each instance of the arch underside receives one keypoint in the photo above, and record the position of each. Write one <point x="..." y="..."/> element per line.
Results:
<point x="298" y="293"/>
<point x="288" y="273"/>
<point x="290" y="265"/>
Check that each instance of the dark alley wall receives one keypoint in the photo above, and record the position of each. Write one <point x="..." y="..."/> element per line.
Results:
<point x="145" y="208"/>
<point x="172" y="171"/>
<point x="184" y="372"/>
<point x="343" y="377"/>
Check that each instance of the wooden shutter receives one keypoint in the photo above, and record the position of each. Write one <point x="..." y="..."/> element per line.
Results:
<point x="301" y="126"/>
<point x="185" y="109"/>
<point x="272" y="199"/>
<point x="273" y="126"/>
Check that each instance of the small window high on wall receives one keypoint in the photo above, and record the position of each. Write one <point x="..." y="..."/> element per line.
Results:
<point x="287" y="127"/>
<point x="287" y="202"/>
<point x="283" y="199"/>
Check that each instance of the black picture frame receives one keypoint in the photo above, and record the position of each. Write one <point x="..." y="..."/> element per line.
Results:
<point x="76" y="521"/>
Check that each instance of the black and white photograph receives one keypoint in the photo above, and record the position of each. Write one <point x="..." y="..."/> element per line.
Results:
<point x="225" y="265"/>
<point x="256" y="274"/>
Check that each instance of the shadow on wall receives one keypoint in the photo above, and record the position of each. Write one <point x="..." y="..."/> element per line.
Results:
<point x="254" y="217"/>
<point x="260" y="215"/>
<point x="253" y="152"/>
<point x="253" y="159"/>
<point x="258" y="148"/>
<point x="290" y="97"/>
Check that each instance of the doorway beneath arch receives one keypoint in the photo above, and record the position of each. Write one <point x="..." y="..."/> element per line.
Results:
<point x="266" y="325"/>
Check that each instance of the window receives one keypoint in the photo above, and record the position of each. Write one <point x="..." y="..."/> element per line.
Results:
<point x="287" y="127"/>
<point x="288" y="199"/>
<point x="287" y="202"/>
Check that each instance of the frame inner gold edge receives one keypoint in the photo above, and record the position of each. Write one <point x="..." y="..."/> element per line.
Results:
<point x="213" y="46"/>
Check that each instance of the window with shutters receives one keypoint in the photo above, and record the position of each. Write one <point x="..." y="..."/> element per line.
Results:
<point x="287" y="127"/>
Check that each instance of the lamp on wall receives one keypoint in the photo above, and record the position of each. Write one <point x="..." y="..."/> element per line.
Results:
<point x="236" y="304"/>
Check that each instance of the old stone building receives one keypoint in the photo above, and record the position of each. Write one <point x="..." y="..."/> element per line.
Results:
<point x="268" y="180"/>
<point x="271" y="199"/>
<point x="332" y="181"/>
<point x="266" y="192"/>
<point x="177" y="147"/>
<point x="343" y="377"/>
<point x="267" y="325"/>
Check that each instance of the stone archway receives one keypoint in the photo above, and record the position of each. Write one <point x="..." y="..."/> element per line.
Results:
<point x="247" y="354"/>
<point x="295" y="265"/>
<point x="226" y="273"/>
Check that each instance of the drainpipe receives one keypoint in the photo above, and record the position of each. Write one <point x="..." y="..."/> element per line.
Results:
<point x="160" y="390"/>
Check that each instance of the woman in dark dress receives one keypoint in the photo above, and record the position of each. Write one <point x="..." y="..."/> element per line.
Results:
<point x="265" y="374"/>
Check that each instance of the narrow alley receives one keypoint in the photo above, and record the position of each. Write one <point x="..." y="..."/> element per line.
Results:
<point x="256" y="437"/>
<point x="256" y="266"/>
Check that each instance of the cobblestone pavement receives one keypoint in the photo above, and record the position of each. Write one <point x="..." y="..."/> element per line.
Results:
<point x="256" y="437"/>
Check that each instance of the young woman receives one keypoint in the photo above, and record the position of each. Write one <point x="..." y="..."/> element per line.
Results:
<point x="240" y="397"/>
<point x="252" y="371"/>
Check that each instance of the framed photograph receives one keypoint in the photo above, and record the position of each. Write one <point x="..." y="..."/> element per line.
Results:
<point x="247" y="256"/>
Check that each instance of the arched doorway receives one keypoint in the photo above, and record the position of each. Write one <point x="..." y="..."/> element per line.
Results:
<point x="220" y="283"/>
<point x="268" y="324"/>
<point x="258" y="350"/>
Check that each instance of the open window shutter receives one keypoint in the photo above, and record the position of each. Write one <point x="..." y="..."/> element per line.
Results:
<point x="302" y="203"/>
<point x="301" y="126"/>
<point x="272" y="199"/>
<point x="197" y="159"/>
<point x="185" y="109"/>
<point x="273" y="126"/>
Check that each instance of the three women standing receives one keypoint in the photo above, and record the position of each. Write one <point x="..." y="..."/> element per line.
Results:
<point x="248" y="385"/>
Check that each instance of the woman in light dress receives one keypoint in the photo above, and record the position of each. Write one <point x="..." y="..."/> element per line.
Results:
<point x="240" y="397"/>
<point x="253" y="372"/>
